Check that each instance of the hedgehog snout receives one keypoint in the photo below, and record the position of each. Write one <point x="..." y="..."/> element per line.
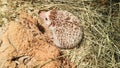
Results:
<point x="42" y="15"/>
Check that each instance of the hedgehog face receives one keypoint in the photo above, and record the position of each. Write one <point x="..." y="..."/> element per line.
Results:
<point x="45" y="16"/>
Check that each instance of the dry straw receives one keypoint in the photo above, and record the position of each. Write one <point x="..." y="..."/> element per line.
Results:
<point x="100" y="47"/>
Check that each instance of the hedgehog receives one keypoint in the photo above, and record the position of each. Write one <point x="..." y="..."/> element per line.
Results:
<point x="65" y="28"/>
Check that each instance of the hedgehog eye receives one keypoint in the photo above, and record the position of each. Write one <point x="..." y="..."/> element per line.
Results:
<point x="46" y="19"/>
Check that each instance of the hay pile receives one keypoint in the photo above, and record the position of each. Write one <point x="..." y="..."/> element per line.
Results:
<point x="100" y="20"/>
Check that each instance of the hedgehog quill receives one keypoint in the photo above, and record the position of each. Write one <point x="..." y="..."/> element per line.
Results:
<point x="65" y="28"/>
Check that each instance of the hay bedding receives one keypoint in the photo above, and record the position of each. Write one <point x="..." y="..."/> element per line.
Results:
<point x="100" y="47"/>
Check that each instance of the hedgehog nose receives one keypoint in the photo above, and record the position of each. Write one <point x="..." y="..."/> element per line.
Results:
<point x="42" y="15"/>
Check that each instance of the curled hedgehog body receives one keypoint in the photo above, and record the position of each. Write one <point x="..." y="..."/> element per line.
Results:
<point x="65" y="27"/>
